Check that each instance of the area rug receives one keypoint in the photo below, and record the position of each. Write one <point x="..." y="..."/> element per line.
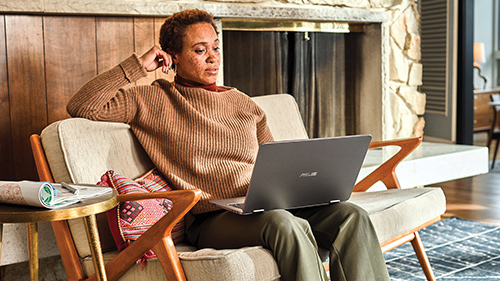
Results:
<point x="458" y="249"/>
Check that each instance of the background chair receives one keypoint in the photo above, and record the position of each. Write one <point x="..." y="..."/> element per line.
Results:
<point x="79" y="150"/>
<point x="494" y="133"/>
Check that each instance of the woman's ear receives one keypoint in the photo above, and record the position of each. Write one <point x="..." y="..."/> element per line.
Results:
<point x="175" y="59"/>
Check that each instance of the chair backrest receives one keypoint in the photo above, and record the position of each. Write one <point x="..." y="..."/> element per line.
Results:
<point x="496" y="97"/>
<point x="80" y="150"/>
<point x="496" y="109"/>
<point x="283" y="116"/>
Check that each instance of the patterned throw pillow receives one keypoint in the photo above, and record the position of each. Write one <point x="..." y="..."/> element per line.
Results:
<point x="131" y="219"/>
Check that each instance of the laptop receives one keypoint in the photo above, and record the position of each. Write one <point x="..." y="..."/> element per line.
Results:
<point x="301" y="173"/>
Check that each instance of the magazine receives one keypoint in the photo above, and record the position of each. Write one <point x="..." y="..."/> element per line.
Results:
<point x="46" y="194"/>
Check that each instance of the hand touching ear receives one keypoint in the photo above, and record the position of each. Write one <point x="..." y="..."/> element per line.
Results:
<point x="155" y="58"/>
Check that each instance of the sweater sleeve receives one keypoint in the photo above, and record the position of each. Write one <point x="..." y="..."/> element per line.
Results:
<point x="103" y="98"/>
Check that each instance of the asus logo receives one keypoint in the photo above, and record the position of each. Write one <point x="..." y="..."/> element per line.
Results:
<point x="308" y="175"/>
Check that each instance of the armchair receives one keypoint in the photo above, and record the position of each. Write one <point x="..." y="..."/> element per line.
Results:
<point x="494" y="132"/>
<point x="79" y="150"/>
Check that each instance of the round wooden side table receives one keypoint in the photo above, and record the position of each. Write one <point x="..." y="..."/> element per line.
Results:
<point x="86" y="209"/>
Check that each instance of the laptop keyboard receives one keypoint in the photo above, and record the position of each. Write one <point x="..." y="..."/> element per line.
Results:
<point x="237" y="205"/>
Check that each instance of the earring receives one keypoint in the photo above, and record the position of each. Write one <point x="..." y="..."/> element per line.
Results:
<point x="175" y="68"/>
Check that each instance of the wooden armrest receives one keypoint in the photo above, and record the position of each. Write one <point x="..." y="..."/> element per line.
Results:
<point x="41" y="164"/>
<point x="158" y="237"/>
<point x="172" y="195"/>
<point x="387" y="171"/>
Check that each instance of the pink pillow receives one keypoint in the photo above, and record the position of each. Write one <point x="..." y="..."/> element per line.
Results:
<point x="131" y="219"/>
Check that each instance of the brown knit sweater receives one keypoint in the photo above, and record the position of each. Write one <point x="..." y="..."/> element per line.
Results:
<point x="195" y="137"/>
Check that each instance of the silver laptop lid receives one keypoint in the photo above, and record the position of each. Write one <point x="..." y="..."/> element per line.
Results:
<point x="303" y="173"/>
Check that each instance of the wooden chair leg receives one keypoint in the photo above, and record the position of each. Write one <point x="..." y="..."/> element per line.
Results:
<point x="422" y="257"/>
<point x="490" y="135"/>
<point x="495" y="154"/>
<point x="169" y="260"/>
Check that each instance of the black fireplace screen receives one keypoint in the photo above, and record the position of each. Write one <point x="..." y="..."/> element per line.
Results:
<point x="310" y="66"/>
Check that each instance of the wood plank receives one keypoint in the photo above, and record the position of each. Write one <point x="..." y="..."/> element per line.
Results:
<point x="474" y="198"/>
<point x="70" y="59"/>
<point x="26" y="78"/>
<point x="144" y="40"/>
<point x="6" y="167"/>
<point x="159" y="74"/>
<point x="115" y="41"/>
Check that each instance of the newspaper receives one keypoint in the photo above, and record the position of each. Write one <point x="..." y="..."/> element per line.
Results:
<point x="46" y="194"/>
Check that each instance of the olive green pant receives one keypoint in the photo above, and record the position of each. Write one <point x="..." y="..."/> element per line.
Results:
<point x="294" y="236"/>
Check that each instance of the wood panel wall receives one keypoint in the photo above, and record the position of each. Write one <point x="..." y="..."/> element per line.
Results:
<point x="44" y="60"/>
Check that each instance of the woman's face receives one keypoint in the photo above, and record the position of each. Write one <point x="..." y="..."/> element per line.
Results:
<point x="199" y="59"/>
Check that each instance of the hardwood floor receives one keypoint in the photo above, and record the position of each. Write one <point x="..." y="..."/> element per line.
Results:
<point x="475" y="198"/>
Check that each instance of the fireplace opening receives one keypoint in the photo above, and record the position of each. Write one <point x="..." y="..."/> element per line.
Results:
<point x="331" y="75"/>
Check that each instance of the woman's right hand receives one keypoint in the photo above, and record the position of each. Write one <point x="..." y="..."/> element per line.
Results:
<point x="155" y="58"/>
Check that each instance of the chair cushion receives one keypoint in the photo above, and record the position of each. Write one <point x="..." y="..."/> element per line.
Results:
<point x="249" y="264"/>
<point x="396" y="211"/>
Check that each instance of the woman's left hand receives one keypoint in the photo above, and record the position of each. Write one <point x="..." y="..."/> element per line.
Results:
<point x="155" y="58"/>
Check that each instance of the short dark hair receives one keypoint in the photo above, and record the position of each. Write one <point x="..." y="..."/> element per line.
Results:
<point x="173" y="30"/>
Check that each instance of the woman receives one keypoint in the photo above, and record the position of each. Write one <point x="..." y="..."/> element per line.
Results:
<point x="200" y="135"/>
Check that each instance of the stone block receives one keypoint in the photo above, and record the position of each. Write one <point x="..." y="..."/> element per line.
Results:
<point x="400" y="120"/>
<point x="398" y="64"/>
<point x="351" y="3"/>
<point x="398" y="31"/>
<point x="341" y="3"/>
<point x="414" y="100"/>
<point x="385" y="3"/>
<point x="418" y="129"/>
<point x="415" y="76"/>
<point x="255" y="1"/>
<point x="412" y="46"/>
<point x="22" y="6"/>
<point x="412" y="19"/>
